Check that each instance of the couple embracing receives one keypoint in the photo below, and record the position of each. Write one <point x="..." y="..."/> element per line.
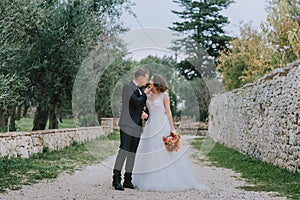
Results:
<point x="148" y="165"/>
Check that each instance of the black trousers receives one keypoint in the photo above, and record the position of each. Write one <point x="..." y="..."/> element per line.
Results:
<point x="127" y="151"/>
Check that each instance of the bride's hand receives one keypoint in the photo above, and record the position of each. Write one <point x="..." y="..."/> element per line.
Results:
<point x="147" y="90"/>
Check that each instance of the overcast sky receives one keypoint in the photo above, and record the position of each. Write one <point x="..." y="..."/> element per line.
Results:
<point x="149" y="33"/>
<point x="157" y="13"/>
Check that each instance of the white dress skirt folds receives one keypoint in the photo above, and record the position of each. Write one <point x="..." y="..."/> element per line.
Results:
<point x="155" y="168"/>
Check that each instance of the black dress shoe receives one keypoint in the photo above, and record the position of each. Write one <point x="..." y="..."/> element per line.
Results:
<point x="128" y="185"/>
<point x="118" y="186"/>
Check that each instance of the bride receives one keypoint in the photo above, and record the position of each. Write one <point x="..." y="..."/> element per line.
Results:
<point x="155" y="167"/>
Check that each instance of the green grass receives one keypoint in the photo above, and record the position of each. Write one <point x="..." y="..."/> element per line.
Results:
<point x="15" y="172"/>
<point x="264" y="176"/>
<point x="26" y="124"/>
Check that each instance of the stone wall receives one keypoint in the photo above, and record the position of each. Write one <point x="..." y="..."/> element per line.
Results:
<point x="191" y="127"/>
<point x="25" y="144"/>
<point x="262" y="119"/>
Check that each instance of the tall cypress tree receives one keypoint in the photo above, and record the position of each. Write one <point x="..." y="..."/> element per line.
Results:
<point x="203" y="38"/>
<point x="202" y="29"/>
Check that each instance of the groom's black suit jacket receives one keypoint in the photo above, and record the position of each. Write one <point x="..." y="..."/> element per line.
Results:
<point x="132" y="106"/>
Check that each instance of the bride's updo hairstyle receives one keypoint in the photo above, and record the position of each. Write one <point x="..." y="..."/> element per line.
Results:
<point x="159" y="82"/>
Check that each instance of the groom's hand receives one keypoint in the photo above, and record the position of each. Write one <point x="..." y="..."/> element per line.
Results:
<point x="144" y="115"/>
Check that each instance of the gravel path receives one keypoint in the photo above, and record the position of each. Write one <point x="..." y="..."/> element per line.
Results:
<point x="94" y="182"/>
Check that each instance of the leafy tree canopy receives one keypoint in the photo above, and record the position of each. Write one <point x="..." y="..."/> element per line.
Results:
<point x="256" y="53"/>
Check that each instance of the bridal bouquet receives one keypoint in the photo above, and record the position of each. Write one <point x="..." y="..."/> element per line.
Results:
<point x="172" y="141"/>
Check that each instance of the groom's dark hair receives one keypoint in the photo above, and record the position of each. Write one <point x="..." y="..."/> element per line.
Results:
<point x="141" y="72"/>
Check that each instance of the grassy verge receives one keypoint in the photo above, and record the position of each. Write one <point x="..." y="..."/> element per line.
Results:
<point x="26" y="124"/>
<point x="16" y="172"/>
<point x="264" y="176"/>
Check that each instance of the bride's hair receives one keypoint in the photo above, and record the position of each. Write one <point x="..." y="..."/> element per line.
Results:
<point x="160" y="83"/>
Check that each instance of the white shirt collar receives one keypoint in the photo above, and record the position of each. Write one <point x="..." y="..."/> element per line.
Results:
<point x="135" y="83"/>
<point x="138" y="87"/>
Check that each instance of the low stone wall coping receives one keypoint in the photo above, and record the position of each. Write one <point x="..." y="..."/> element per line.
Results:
<point x="24" y="144"/>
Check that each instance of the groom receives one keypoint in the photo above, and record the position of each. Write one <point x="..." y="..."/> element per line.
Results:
<point x="130" y="123"/>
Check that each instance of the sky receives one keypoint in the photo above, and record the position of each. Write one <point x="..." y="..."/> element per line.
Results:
<point x="157" y="13"/>
<point x="153" y="17"/>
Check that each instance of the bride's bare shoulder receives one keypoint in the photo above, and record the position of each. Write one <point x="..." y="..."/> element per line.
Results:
<point x="165" y="94"/>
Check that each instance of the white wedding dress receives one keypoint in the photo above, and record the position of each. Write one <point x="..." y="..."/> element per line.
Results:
<point x="155" y="168"/>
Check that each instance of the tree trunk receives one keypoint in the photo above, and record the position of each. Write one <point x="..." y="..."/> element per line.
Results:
<point x="26" y="106"/>
<point x="3" y="121"/>
<point x="12" y="121"/>
<point x="40" y="119"/>
<point x="19" y="110"/>
<point x="53" y="123"/>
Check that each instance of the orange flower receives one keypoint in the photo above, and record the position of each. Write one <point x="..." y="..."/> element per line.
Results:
<point x="172" y="142"/>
